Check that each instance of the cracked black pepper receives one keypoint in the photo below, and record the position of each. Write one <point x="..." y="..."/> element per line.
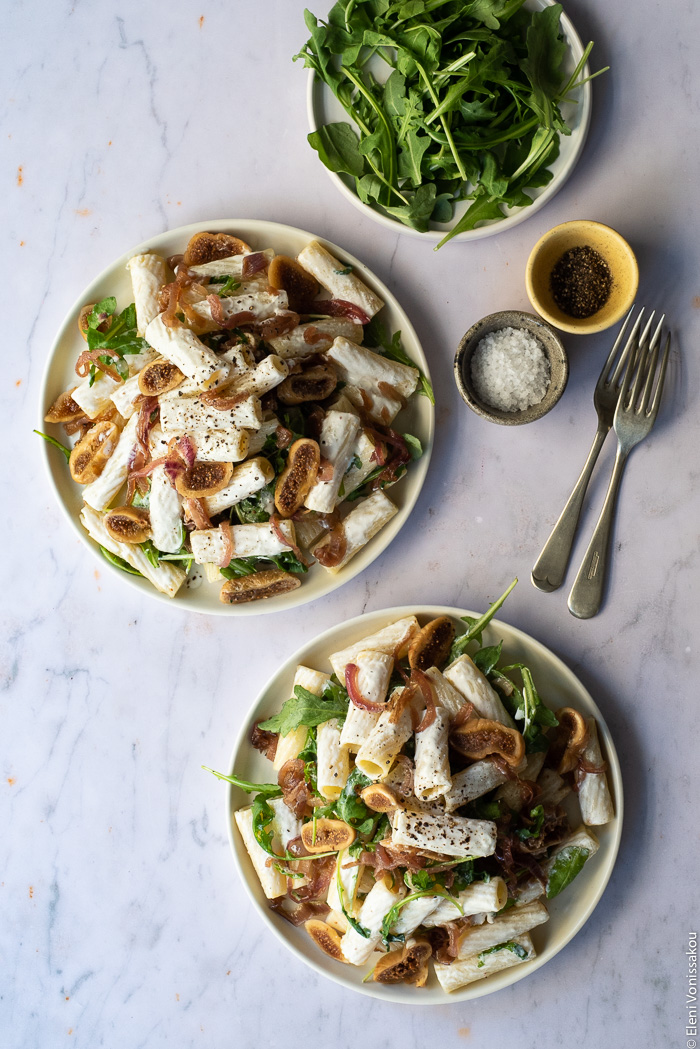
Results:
<point x="581" y="282"/>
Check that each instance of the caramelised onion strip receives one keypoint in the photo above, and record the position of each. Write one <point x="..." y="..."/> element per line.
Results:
<point x="227" y="552"/>
<point x="89" y="357"/>
<point x="426" y="688"/>
<point x="234" y="321"/>
<point x="312" y="335"/>
<point x="351" y="673"/>
<point x="147" y="406"/>
<point x="172" y="292"/>
<point x="390" y="391"/>
<point x="253" y="263"/>
<point x="332" y="553"/>
<point x="341" y="308"/>
<point x="283" y="436"/>
<point x="275" y="522"/>
<point x="325" y="470"/>
<point x="221" y="402"/>
<point x="194" y="510"/>
<point x="463" y="715"/>
<point x="298" y="913"/>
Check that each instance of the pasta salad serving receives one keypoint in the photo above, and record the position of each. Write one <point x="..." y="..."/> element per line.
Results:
<point x="242" y="414"/>
<point x="424" y="805"/>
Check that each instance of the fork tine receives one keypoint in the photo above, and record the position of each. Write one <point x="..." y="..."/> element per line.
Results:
<point x="629" y="370"/>
<point x="616" y="345"/>
<point x="645" y="351"/>
<point x="631" y="343"/>
<point x="651" y="369"/>
<point x="653" y="411"/>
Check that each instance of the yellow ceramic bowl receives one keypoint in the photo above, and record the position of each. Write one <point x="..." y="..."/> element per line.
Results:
<point x="608" y="243"/>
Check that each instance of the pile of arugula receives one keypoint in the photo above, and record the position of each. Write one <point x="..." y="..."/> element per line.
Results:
<point x="469" y="111"/>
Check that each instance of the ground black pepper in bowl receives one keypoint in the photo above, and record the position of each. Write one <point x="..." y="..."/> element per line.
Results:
<point x="581" y="282"/>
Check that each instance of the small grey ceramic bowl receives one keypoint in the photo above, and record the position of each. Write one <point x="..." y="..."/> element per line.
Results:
<point x="552" y="345"/>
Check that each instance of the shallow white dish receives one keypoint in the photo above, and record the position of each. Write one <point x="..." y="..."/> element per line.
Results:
<point x="558" y="687"/>
<point x="418" y="418"/>
<point x="324" y="108"/>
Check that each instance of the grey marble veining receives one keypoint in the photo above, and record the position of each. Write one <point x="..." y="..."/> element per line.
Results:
<point x="122" y="920"/>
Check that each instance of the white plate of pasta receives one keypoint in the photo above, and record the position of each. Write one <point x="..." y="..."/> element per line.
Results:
<point x="413" y="844"/>
<point x="245" y="393"/>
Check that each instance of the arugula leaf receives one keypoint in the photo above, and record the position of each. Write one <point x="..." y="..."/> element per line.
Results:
<point x="268" y="790"/>
<point x="228" y="283"/>
<point x="250" y="510"/>
<point x="304" y="708"/>
<point x="526" y="705"/>
<point x="55" y="443"/>
<point x="477" y="626"/>
<point x="118" y="341"/>
<point x="392" y="914"/>
<point x="118" y="562"/>
<point x="567" y="864"/>
<point x="511" y="945"/>
<point x="337" y="147"/>
<point x="536" y="814"/>
<point x="349" y="807"/>
<point x="414" y="446"/>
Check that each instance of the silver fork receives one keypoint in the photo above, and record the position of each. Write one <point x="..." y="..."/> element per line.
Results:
<point x="550" y="567"/>
<point x="634" y="417"/>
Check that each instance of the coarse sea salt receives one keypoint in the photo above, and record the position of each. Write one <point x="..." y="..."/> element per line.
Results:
<point x="510" y="370"/>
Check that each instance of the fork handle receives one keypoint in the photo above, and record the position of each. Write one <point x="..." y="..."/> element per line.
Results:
<point x="586" y="594"/>
<point x="550" y="567"/>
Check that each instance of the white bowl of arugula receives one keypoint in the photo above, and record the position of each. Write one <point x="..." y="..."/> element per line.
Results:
<point x="462" y="123"/>
<point x="532" y="683"/>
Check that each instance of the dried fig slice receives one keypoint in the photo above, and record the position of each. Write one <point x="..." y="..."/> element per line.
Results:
<point x="83" y="320"/>
<point x="325" y="937"/>
<point x="203" y="479"/>
<point x="570" y="740"/>
<point x="314" y="384"/>
<point x="258" y="586"/>
<point x="64" y="409"/>
<point x="380" y="798"/>
<point x="409" y="965"/>
<point x="300" y="473"/>
<point x="480" y="737"/>
<point x="127" y="524"/>
<point x="160" y="376"/>
<point x="88" y="458"/>
<point x="285" y="274"/>
<point x="326" y="835"/>
<point x="431" y="645"/>
<point x="208" y="247"/>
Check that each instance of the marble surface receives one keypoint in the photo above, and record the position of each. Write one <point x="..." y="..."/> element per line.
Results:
<point x="123" y="922"/>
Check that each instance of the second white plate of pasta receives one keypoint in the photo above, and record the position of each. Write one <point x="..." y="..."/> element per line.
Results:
<point x="438" y="805"/>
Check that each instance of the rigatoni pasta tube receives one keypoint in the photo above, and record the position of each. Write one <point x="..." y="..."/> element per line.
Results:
<point x="432" y="776"/>
<point x="451" y="835"/>
<point x="515" y="922"/>
<point x="273" y="883"/>
<point x="372" y="681"/>
<point x="468" y="679"/>
<point x="473" y="782"/>
<point x="380" y="899"/>
<point x="289" y="746"/>
<point x="593" y="791"/>
<point x="379" y="750"/>
<point x="148" y="275"/>
<point x="332" y="763"/>
<point x="481" y="897"/>
<point x="392" y="639"/>
<point x="469" y="970"/>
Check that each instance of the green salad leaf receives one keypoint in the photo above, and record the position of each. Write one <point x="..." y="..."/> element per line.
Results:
<point x="567" y="864"/>
<point x="511" y="945"/>
<point x="304" y="708"/>
<point x="537" y="816"/>
<point x="118" y="341"/>
<point x="268" y="790"/>
<point x="477" y="626"/>
<point x="55" y="443"/>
